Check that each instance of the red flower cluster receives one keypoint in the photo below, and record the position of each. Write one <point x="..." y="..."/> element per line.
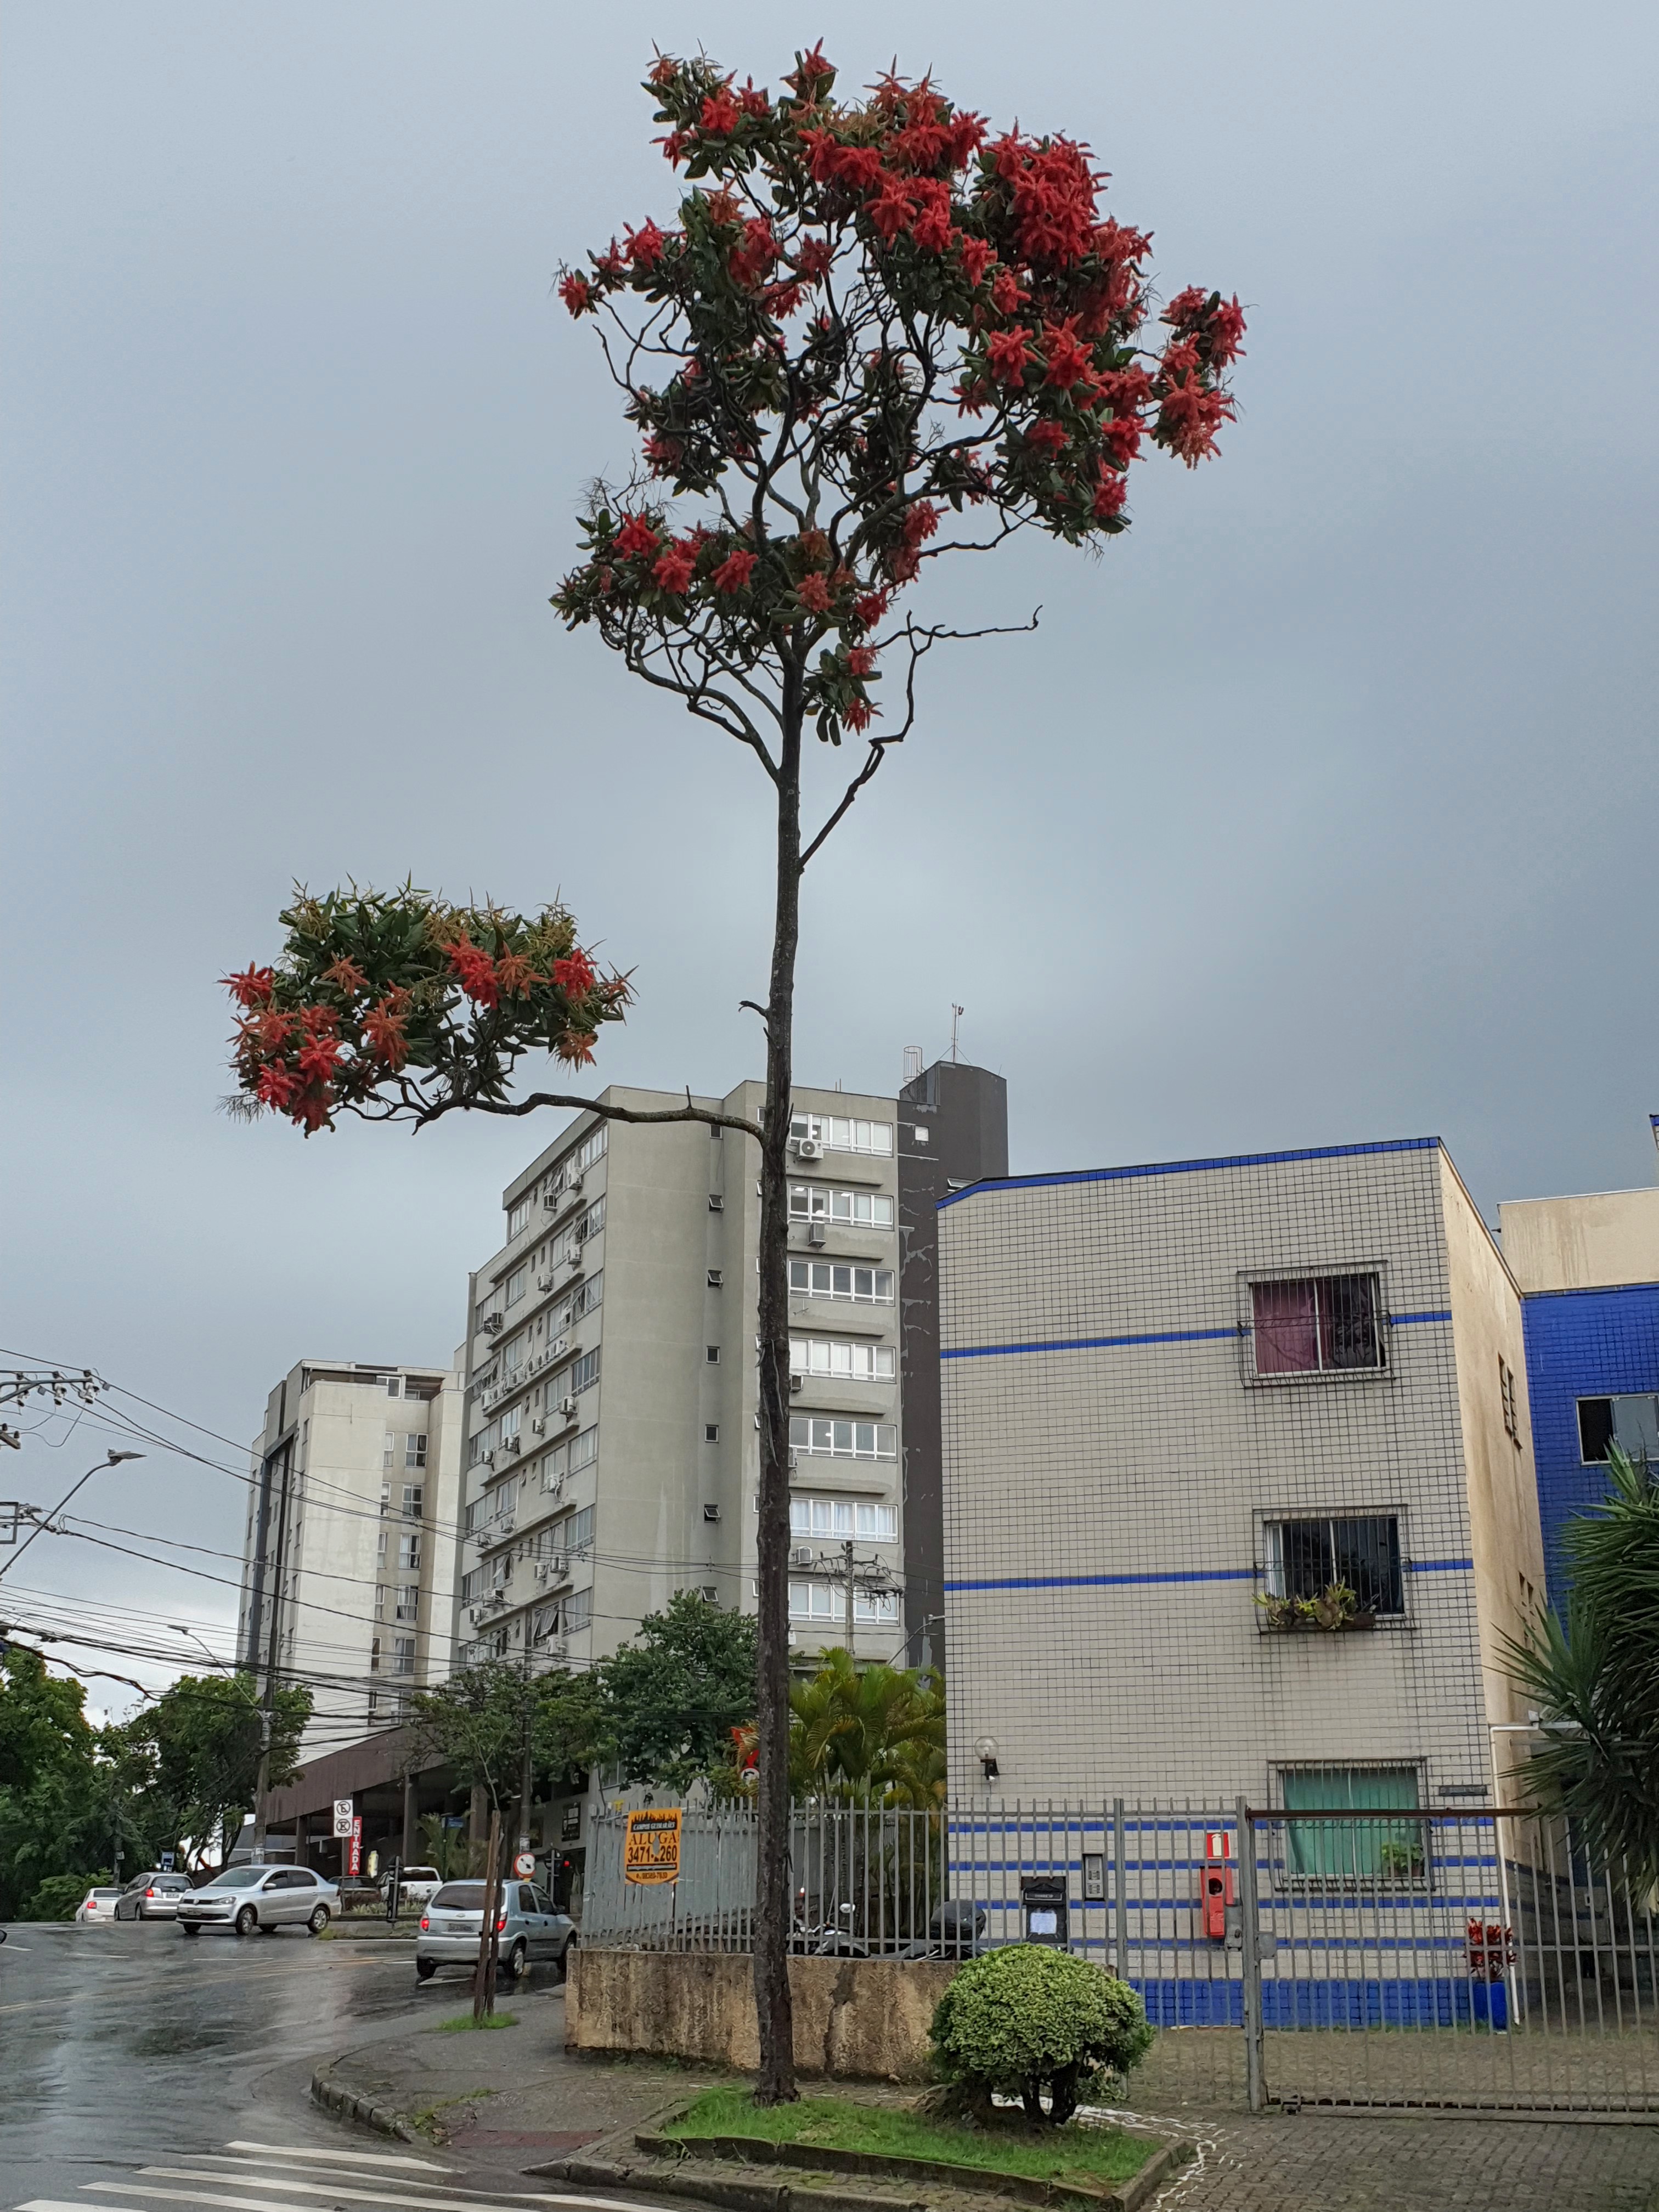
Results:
<point x="1053" y="189"/>
<point x="476" y="972"/>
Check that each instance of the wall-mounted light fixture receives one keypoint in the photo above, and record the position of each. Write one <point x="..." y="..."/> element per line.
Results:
<point x="985" y="1750"/>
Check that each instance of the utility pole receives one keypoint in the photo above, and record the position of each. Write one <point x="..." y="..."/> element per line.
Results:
<point x="843" y="1567"/>
<point x="526" y="1780"/>
<point x="262" y="1781"/>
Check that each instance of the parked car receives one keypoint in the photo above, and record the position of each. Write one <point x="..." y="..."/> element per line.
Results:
<point x="529" y="1930"/>
<point x="417" y="1887"/>
<point x="98" y="1905"/>
<point x="243" y="1897"/>
<point x="152" y="1897"/>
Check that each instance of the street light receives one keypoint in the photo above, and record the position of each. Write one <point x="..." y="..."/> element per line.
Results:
<point x="110" y="1459"/>
<point x="179" y="1629"/>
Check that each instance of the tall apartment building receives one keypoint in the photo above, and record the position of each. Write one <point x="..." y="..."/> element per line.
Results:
<point x="1177" y="1400"/>
<point x="952" y="1131"/>
<point x="1589" y="1272"/>
<point x="348" y="1558"/>
<point x="612" y="1372"/>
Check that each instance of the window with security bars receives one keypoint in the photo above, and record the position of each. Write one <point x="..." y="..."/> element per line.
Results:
<point x="832" y="1439"/>
<point x="1370" y="1851"/>
<point x="1317" y="1325"/>
<point x="830" y="1278"/>
<point x="1307" y="1556"/>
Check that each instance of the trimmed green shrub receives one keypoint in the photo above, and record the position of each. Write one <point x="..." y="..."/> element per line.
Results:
<point x="1025" y="2019"/>
<point x="59" y="1897"/>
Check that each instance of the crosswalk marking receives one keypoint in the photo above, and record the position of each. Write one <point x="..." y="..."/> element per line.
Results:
<point x="340" y="2157"/>
<point x="219" y="2166"/>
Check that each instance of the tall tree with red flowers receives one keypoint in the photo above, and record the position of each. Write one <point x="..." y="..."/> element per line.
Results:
<point x="874" y="336"/>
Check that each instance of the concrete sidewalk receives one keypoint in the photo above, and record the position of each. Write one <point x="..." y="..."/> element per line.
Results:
<point x="513" y="2099"/>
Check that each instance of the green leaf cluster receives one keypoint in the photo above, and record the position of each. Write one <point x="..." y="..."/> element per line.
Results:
<point x="1028" y="2022"/>
<point x="1593" y="1673"/>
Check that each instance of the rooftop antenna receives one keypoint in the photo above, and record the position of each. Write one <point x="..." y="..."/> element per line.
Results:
<point x="956" y="1014"/>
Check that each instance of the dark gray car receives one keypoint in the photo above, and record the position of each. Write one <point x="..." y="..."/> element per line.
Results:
<point x="531" y="1931"/>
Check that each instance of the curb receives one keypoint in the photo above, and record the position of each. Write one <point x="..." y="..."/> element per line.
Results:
<point x="334" y="2097"/>
<point x="714" y="2189"/>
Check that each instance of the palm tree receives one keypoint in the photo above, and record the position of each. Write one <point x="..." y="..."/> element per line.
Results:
<point x="877" y="1732"/>
<point x="1595" y="1677"/>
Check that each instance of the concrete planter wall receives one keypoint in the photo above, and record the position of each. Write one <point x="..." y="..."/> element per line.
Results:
<point x="857" y="2019"/>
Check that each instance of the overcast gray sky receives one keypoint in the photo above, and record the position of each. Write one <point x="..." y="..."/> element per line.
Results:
<point x="1322" y="808"/>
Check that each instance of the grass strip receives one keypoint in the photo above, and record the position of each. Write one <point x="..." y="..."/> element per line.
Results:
<point x="1090" y="2154"/>
<point x="464" y="2021"/>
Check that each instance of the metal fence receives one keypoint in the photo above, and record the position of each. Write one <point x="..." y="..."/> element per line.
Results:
<point x="1471" y="1958"/>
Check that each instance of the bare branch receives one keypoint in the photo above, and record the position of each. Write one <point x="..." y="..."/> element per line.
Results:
<point x="424" y="1111"/>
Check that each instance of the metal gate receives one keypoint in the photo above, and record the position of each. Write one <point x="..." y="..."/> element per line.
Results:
<point x="1472" y="1958"/>
<point x="1467" y="1960"/>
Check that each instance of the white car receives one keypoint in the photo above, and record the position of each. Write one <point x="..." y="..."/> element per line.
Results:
<point x="244" y="1897"/>
<point x="97" y="1905"/>
<point x="417" y="1887"/>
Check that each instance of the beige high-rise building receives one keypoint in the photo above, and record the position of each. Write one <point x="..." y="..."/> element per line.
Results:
<point x="613" y="1442"/>
<point x="348" y="1556"/>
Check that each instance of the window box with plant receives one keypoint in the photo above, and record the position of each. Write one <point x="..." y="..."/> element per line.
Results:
<point x="1326" y="1574"/>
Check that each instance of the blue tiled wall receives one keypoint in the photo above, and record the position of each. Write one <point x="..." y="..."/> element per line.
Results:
<point x="1581" y="1343"/>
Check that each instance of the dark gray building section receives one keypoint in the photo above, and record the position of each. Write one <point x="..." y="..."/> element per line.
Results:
<point x="952" y="1131"/>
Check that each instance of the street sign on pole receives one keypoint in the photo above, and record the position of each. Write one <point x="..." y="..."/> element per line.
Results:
<point x="345" y="1811"/>
<point x="355" y="1848"/>
<point x="525" y="1865"/>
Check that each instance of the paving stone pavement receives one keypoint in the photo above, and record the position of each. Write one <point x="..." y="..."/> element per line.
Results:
<point x="1326" y="2162"/>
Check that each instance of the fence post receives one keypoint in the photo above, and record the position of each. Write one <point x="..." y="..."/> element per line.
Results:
<point x="1256" y="2087"/>
<point x="1120" y="1899"/>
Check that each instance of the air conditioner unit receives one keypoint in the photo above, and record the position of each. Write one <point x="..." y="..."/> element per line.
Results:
<point x="545" y="1282"/>
<point x="577" y="1270"/>
<point x="568" y="1409"/>
<point x="794" y="1461"/>
<point x="490" y="1323"/>
<point x="543" y="1568"/>
<point x="504" y="1524"/>
<point x="474" y="1615"/>
<point x="819" y="1233"/>
<point x="796" y="1383"/>
<point x="496" y="1601"/>
<point x="574" y="1185"/>
<point x="558" y="1566"/>
<point x="487" y="1459"/>
<point x="800" y="1555"/>
<point x="539" y="1425"/>
<point x="809" y="1149"/>
<point x="511" y="1445"/>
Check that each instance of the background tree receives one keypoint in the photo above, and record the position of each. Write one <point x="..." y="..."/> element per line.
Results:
<point x="873" y="335"/>
<point x="482" y="1720"/>
<point x="197" y="1747"/>
<point x="677" y="1691"/>
<point x="878" y="1732"/>
<point x="1595" y="1677"/>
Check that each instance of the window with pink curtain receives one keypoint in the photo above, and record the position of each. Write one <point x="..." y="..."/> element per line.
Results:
<point x="1286" y="1328"/>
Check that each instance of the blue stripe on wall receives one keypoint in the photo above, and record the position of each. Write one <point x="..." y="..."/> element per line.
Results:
<point x="1191" y="1167"/>
<point x="1118" y="1343"/>
<point x="1173" y="1575"/>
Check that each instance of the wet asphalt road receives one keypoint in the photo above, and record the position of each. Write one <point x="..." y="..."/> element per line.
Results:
<point x="127" y="2048"/>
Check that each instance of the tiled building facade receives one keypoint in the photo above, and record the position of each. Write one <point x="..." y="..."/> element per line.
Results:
<point x="1170" y="1391"/>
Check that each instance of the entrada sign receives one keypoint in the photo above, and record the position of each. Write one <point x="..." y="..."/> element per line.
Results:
<point x="650" y="1849"/>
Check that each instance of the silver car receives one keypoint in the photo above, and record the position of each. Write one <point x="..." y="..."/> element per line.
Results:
<point x="152" y="1897"/>
<point x="243" y="1897"/>
<point x="529" y="1930"/>
<point x="97" y="1906"/>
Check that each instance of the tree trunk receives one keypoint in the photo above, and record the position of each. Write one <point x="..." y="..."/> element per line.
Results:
<point x="484" y="1992"/>
<point x="773" y="2018"/>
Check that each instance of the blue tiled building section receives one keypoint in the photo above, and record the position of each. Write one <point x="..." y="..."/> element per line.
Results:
<point x="1423" y="2001"/>
<point x="1581" y="1343"/>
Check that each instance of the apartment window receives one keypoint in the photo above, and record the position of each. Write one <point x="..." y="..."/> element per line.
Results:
<point x="379" y="1547"/>
<point x="413" y="1453"/>
<point x="1317" y="1325"/>
<point x="825" y="1601"/>
<point x="843" y="1518"/>
<point x="388" y="1448"/>
<point x="582" y="1300"/>
<point x="391" y="1386"/>
<point x="716" y="1203"/>
<point x="511" y="1423"/>
<point x="842" y="1359"/>
<point x="544" y="1622"/>
<point x="1305" y="1557"/>
<point x="414" y="1499"/>
<point x="828" y="1279"/>
<point x="583" y="1373"/>
<point x="859" y="1209"/>
<point x="711" y="1432"/>
<point x="518" y="1214"/>
<point x="403" y="1655"/>
<point x="711" y="1354"/>
<point x="409" y="1602"/>
<point x="374" y="1654"/>
<point x="837" y="1134"/>
<point x="515" y="1286"/>
<point x="576" y="1534"/>
<point x="578" y="1610"/>
<point x="1370" y="1849"/>
<point x="1632" y="1422"/>
<point x="1506" y="1396"/>
<point x="843" y="1439"/>
<point x="409" y="1554"/>
<point x="380" y="1601"/>
<point x="584" y="1450"/>
<point x="512" y="1358"/>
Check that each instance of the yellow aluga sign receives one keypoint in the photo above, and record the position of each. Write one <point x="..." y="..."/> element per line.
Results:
<point x="651" y="1848"/>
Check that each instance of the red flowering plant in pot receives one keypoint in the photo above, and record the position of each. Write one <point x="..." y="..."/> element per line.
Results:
<point x="871" y="335"/>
